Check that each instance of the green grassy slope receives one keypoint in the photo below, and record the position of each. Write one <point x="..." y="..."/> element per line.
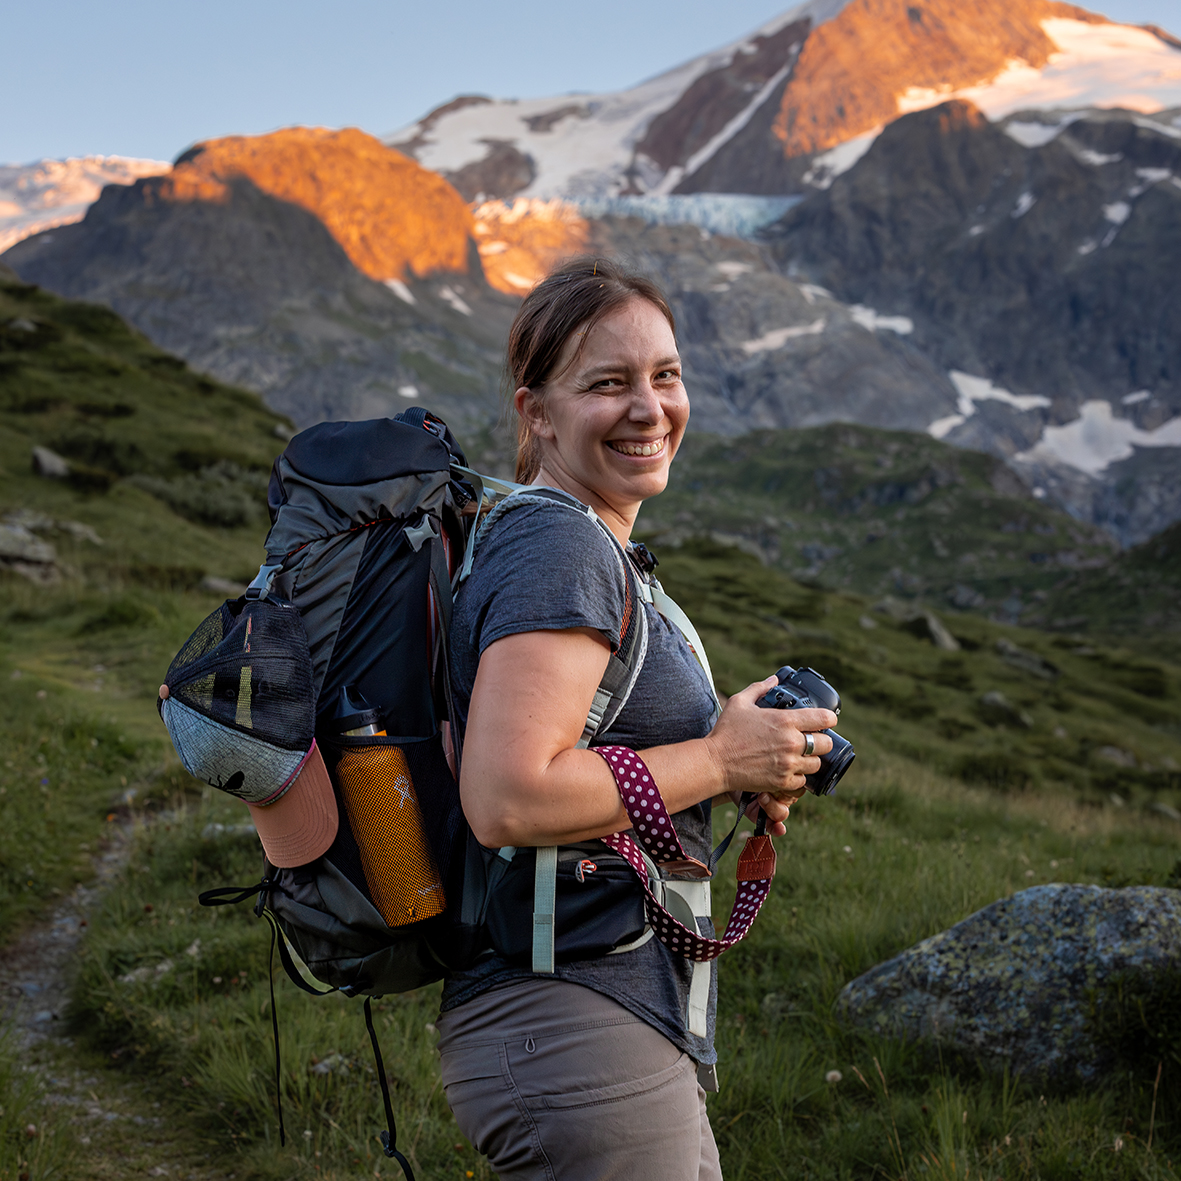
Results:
<point x="952" y="803"/>
<point x="891" y="512"/>
<point x="82" y="646"/>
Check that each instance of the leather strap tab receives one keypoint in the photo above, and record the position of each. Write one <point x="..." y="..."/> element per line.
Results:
<point x="756" y="862"/>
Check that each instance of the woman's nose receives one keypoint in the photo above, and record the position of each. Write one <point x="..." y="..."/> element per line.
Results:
<point x="646" y="405"/>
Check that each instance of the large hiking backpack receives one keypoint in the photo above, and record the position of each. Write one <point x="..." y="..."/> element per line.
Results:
<point x="365" y="516"/>
<point x="367" y="530"/>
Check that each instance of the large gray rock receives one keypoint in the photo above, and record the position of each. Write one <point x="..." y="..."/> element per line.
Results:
<point x="1012" y="984"/>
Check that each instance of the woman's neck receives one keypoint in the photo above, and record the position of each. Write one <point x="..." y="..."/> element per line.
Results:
<point x="619" y="521"/>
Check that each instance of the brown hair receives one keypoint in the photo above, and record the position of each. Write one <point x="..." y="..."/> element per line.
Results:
<point x="578" y="293"/>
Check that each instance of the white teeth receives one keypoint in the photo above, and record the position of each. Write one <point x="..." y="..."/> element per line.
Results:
<point x="639" y="448"/>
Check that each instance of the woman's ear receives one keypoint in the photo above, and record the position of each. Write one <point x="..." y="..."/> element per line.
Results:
<point x="532" y="412"/>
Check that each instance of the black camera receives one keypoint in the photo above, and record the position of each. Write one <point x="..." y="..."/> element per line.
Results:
<point x="805" y="688"/>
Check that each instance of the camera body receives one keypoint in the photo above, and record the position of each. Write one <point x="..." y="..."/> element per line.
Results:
<point x="805" y="688"/>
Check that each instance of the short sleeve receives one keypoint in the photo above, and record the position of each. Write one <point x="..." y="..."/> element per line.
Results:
<point x="543" y="567"/>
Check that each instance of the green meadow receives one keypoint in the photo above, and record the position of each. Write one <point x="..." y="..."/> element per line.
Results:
<point x="1023" y="756"/>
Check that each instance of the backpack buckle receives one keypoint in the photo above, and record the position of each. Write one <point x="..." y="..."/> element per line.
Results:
<point x="260" y="587"/>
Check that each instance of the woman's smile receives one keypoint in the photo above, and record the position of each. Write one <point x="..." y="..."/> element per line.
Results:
<point x="642" y="448"/>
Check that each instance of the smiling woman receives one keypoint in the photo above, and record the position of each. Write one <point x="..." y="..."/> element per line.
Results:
<point x="586" y="1059"/>
<point x="606" y="424"/>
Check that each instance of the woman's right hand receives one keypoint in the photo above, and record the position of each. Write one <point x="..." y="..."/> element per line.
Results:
<point x="762" y="750"/>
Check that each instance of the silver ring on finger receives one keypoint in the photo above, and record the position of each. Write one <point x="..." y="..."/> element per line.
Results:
<point x="809" y="744"/>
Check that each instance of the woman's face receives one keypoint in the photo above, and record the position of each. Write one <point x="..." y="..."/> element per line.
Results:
<point x="611" y="419"/>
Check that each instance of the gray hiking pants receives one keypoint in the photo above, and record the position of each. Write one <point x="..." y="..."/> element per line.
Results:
<point x="554" y="1081"/>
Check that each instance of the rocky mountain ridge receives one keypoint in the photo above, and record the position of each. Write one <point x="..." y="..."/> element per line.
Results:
<point x="1044" y="255"/>
<point x="795" y="102"/>
<point x="256" y="290"/>
<point x="252" y="286"/>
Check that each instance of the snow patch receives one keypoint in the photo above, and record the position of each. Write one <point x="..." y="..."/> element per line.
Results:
<point x="1104" y="65"/>
<point x="778" y="337"/>
<point x="1136" y="398"/>
<point x="1095" y="159"/>
<point x="407" y="391"/>
<point x="733" y="269"/>
<point x="811" y="292"/>
<point x="1097" y="438"/>
<point x="1038" y="133"/>
<point x="400" y="290"/>
<point x="521" y="282"/>
<point x="1117" y="212"/>
<point x="1025" y="202"/>
<point x="873" y="322"/>
<point x="1148" y="178"/>
<point x="971" y="390"/>
<point x="826" y="167"/>
<point x="448" y="295"/>
<point x="980" y="389"/>
<point x="1033" y="135"/>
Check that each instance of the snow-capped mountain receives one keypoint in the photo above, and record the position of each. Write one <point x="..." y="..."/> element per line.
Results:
<point x="797" y="101"/>
<point x="49" y="193"/>
<point x="957" y="216"/>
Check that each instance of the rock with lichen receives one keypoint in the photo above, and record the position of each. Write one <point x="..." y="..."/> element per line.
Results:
<point x="1015" y="984"/>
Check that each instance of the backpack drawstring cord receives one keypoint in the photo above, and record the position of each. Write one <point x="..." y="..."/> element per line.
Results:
<point x="389" y="1138"/>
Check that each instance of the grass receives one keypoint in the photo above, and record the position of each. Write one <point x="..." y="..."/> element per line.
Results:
<point x="953" y="803"/>
<point x="34" y="1140"/>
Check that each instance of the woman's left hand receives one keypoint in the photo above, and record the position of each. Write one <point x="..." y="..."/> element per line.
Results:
<point x="776" y="807"/>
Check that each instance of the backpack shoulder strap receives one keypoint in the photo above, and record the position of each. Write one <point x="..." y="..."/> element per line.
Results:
<point x="619" y="678"/>
<point x="655" y="594"/>
<point x="625" y="662"/>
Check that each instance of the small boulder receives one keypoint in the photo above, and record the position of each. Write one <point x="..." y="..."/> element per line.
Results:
<point x="929" y="626"/>
<point x="1025" y="660"/>
<point x="1013" y="983"/>
<point x="49" y="464"/>
<point x="919" y="621"/>
<point x="997" y="710"/>
<point x="18" y="544"/>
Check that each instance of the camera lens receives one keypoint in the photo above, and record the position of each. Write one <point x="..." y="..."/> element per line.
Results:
<point x="832" y="766"/>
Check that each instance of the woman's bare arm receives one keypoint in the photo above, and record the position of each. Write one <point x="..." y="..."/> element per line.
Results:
<point x="524" y="783"/>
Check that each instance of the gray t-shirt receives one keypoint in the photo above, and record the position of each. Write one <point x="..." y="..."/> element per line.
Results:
<point x="545" y="567"/>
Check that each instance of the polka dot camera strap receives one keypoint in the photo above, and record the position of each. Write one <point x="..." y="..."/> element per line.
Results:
<point x="652" y="827"/>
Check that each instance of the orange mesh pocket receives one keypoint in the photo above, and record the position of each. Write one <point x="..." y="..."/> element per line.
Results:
<point x="383" y="812"/>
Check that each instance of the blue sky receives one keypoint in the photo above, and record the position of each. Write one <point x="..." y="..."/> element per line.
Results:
<point x="149" y="77"/>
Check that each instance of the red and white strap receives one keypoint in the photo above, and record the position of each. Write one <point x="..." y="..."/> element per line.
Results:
<point x="652" y="827"/>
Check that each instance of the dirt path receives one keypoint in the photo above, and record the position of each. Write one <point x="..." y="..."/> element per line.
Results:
<point x="122" y="1126"/>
